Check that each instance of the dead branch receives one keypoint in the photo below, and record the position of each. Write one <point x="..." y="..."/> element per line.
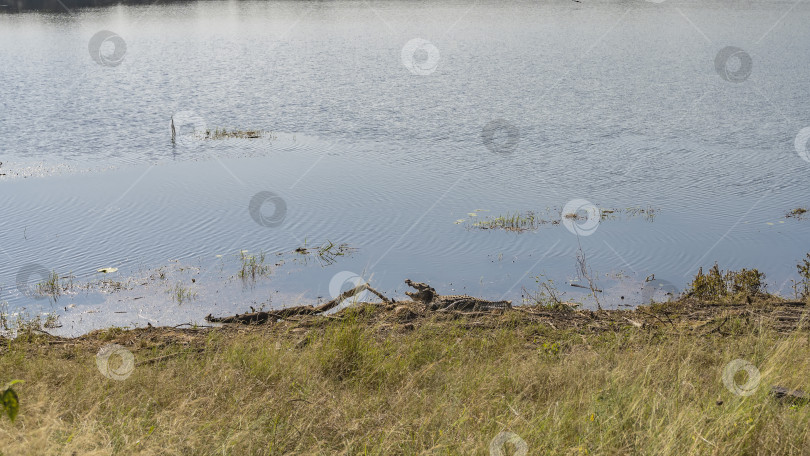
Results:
<point x="281" y="314"/>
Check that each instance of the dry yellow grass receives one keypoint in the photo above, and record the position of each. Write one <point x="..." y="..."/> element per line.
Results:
<point x="354" y="384"/>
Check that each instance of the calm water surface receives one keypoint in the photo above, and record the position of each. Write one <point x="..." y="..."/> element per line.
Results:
<point x="388" y="146"/>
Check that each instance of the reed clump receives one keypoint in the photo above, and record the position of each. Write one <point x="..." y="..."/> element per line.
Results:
<point x="717" y="285"/>
<point x="225" y="133"/>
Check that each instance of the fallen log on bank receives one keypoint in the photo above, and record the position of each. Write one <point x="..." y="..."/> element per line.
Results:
<point x="425" y="297"/>
<point x="281" y="314"/>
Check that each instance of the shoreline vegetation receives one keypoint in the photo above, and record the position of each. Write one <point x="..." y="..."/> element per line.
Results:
<point x="721" y="369"/>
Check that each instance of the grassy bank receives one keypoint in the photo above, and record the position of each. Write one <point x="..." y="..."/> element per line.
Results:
<point x="378" y="380"/>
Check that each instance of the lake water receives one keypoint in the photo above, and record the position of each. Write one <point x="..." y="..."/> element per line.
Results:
<point x="386" y="125"/>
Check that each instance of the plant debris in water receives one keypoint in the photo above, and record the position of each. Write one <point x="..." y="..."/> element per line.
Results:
<point x="328" y="252"/>
<point x="797" y="213"/>
<point x="54" y="286"/>
<point x="532" y="221"/>
<point x="181" y="294"/>
<point x="252" y="266"/>
<point x="225" y="133"/>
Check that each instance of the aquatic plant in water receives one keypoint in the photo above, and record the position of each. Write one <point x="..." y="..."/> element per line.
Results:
<point x="252" y="266"/>
<point x="225" y="133"/>
<point x="531" y="221"/>
<point x="181" y="294"/>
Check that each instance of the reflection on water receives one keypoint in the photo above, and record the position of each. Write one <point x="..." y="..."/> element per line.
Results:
<point x="387" y="124"/>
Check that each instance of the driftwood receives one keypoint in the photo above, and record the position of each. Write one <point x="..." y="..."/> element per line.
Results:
<point x="425" y="295"/>
<point x="281" y="314"/>
<point x="587" y="288"/>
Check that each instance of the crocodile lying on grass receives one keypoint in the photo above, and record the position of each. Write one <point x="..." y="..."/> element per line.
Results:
<point x="433" y="301"/>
